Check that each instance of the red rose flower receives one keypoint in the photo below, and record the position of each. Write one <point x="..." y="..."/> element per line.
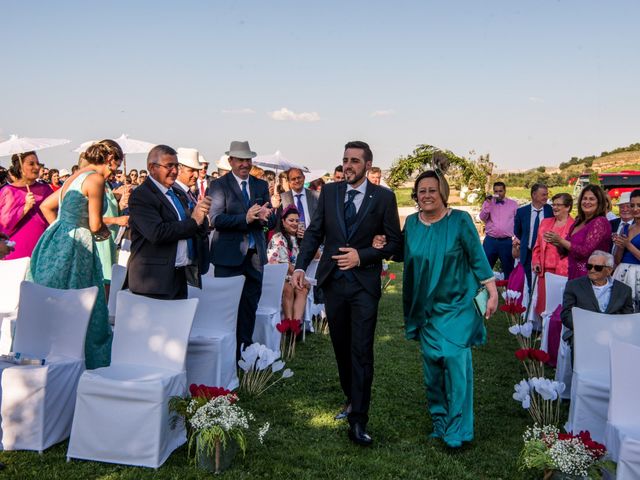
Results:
<point x="502" y="283"/>
<point x="283" y="326"/>
<point x="522" y="354"/>
<point x="539" y="355"/>
<point x="392" y="276"/>
<point x="383" y="273"/>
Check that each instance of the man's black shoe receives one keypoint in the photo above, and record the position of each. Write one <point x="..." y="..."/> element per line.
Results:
<point x="358" y="434"/>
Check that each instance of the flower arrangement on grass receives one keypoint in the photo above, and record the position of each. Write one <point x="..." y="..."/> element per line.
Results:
<point x="259" y="365"/>
<point x="289" y="330"/>
<point x="387" y="278"/>
<point x="213" y="419"/>
<point x="547" y="450"/>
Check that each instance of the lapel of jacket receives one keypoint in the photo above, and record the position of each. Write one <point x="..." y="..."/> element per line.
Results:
<point x="184" y="199"/>
<point x="340" y="193"/>
<point x="591" y="295"/>
<point x="253" y="187"/>
<point x="162" y="197"/>
<point x="364" y="208"/>
<point x="614" y="292"/>
<point x="235" y="189"/>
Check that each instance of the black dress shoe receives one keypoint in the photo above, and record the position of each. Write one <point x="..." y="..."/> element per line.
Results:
<point x="358" y="434"/>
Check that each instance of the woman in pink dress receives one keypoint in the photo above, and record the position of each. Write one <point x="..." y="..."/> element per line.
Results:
<point x="546" y="257"/>
<point x="20" y="215"/>
<point x="591" y="231"/>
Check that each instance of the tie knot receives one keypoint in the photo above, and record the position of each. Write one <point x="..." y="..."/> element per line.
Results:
<point x="298" y="195"/>
<point x="352" y="194"/>
<point x="244" y="183"/>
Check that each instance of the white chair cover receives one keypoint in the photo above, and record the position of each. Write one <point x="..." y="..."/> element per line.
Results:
<point x="270" y="306"/>
<point x="211" y="355"/>
<point x="554" y="290"/>
<point x="122" y="413"/>
<point x="311" y="309"/>
<point x="37" y="401"/>
<point x="564" y="370"/>
<point x="12" y="272"/>
<point x="118" y="274"/>
<point x="629" y="460"/>
<point x="123" y="257"/>
<point x="591" y="371"/>
<point x="623" y="420"/>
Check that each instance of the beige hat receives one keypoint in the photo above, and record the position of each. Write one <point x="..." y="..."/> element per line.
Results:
<point x="201" y="159"/>
<point x="223" y="163"/>
<point x="240" y="150"/>
<point x="189" y="158"/>
<point x="63" y="173"/>
<point x="625" y="197"/>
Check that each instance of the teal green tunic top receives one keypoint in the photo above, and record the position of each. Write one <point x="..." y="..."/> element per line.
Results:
<point x="444" y="265"/>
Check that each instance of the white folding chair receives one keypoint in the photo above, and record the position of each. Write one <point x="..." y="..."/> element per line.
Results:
<point x="12" y="272"/>
<point x="591" y="372"/>
<point x="564" y="370"/>
<point x="554" y="290"/>
<point x="310" y="309"/>
<point x="37" y="401"/>
<point x="122" y="413"/>
<point x="123" y="257"/>
<point x="270" y="306"/>
<point x="628" y="467"/>
<point x="211" y="354"/>
<point x="623" y="420"/>
<point x="118" y="274"/>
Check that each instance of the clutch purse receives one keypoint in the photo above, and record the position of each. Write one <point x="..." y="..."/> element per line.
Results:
<point x="480" y="301"/>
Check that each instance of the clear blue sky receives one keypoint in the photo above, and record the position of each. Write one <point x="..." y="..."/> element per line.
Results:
<point x="530" y="82"/>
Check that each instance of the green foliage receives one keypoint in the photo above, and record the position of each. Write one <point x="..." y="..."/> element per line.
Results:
<point x="588" y="161"/>
<point x="462" y="171"/>
<point x="535" y="455"/>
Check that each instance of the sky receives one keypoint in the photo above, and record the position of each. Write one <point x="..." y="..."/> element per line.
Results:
<point x="528" y="82"/>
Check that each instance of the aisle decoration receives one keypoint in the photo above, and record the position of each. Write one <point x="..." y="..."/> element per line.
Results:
<point x="563" y="455"/>
<point x="259" y="365"/>
<point x="216" y="425"/>
<point x="289" y="330"/>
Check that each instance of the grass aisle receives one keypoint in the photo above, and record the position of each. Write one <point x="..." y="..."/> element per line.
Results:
<point x="306" y="443"/>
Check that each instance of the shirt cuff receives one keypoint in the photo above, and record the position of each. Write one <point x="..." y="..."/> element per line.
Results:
<point x="488" y="280"/>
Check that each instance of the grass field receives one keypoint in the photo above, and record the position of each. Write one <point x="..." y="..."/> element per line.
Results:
<point x="306" y="443"/>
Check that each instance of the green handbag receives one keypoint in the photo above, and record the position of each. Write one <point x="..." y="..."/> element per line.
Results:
<point x="480" y="301"/>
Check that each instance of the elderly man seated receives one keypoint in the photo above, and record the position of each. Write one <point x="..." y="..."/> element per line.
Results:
<point x="597" y="292"/>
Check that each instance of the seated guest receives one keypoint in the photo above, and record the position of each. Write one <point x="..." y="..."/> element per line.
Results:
<point x="597" y="292"/>
<point x="627" y="249"/>
<point x="283" y="248"/>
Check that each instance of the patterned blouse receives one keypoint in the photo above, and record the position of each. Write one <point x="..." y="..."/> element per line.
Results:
<point x="278" y="252"/>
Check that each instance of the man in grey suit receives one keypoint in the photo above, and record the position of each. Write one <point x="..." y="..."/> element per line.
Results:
<point x="597" y="292"/>
<point x="305" y="200"/>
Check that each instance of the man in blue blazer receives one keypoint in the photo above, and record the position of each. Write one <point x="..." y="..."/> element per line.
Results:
<point x="526" y="224"/>
<point x="240" y="211"/>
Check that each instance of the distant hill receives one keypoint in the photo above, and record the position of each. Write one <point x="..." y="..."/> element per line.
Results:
<point x="623" y="158"/>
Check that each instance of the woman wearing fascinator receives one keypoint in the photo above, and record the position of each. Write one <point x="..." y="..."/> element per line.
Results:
<point x="444" y="267"/>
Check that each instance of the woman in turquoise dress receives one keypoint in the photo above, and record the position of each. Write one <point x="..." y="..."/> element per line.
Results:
<point x="444" y="266"/>
<point x="66" y="255"/>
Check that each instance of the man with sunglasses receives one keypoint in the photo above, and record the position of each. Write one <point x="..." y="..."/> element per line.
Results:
<point x="597" y="292"/>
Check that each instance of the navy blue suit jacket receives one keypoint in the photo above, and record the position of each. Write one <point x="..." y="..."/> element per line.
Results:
<point x="522" y="225"/>
<point x="228" y="216"/>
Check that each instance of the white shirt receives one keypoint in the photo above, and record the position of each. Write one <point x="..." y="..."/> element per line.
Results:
<point x="240" y="180"/>
<point x="358" y="199"/>
<point x="603" y="294"/>
<point x="182" y="252"/>
<point x="305" y="206"/>
<point x="534" y="213"/>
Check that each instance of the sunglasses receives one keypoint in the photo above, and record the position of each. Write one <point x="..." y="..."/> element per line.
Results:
<point x="597" y="268"/>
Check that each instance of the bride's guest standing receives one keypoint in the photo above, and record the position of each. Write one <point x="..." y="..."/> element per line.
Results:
<point x="20" y="216"/>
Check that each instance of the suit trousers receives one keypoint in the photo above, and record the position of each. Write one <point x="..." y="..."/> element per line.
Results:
<point x="179" y="290"/>
<point x="352" y="313"/>
<point x="251" y="292"/>
<point x="495" y="248"/>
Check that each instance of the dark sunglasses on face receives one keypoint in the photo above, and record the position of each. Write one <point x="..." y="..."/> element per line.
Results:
<point x="597" y="268"/>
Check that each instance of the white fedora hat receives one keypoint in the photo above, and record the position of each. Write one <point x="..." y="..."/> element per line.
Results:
<point x="223" y="163"/>
<point x="240" y="150"/>
<point x="201" y="159"/>
<point x="625" y="197"/>
<point x="63" y="173"/>
<point x="189" y="158"/>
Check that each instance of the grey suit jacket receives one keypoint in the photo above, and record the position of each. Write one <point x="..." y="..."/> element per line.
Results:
<point x="579" y="293"/>
<point x="312" y="201"/>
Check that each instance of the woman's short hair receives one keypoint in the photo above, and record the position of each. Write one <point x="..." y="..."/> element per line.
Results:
<point x="565" y="198"/>
<point x="16" y="163"/>
<point x="443" y="185"/>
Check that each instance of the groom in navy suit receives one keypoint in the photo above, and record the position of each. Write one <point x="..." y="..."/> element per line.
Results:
<point x="240" y="211"/>
<point x="526" y="224"/>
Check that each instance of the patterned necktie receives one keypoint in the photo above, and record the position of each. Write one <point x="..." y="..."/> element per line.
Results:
<point x="245" y="197"/>
<point x="300" y="208"/>
<point x="350" y="212"/>
<point x="183" y="216"/>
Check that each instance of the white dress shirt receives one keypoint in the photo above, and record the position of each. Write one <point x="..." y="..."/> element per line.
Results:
<point x="182" y="252"/>
<point x="305" y="205"/>
<point x="358" y="199"/>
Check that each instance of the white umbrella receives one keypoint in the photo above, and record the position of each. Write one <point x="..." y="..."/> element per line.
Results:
<point x="17" y="144"/>
<point x="128" y="145"/>
<point x="277" y="161"/>
<point x="20" y="145"/>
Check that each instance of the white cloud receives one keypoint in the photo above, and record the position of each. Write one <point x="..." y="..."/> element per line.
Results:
<point x="241" y="111"/>
<point x="382" y="113"/>
<point x="284" y="114"/>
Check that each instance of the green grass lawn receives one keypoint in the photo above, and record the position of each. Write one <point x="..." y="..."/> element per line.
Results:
<point x="306" y="443"/>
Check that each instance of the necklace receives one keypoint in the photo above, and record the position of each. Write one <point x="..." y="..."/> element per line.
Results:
<point x="429" y="223"/>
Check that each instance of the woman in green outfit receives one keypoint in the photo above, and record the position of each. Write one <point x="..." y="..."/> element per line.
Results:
<point x="444" y="265"/>
<point x="66" y="255"/>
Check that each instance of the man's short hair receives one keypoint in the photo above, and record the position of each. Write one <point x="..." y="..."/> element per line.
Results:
<point x="375" y="170"/>
<point x="635" y="193"/>
<point x="337" y="169"/>
<point x="537" y="186"/>
<point x="499" y="184"/>
<point x="368" y="154"/>
<point x="608" y="257"/>
<point x="119" y="171"/>
<point x="294" y="169"/>
<point x="159" y="150"/>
